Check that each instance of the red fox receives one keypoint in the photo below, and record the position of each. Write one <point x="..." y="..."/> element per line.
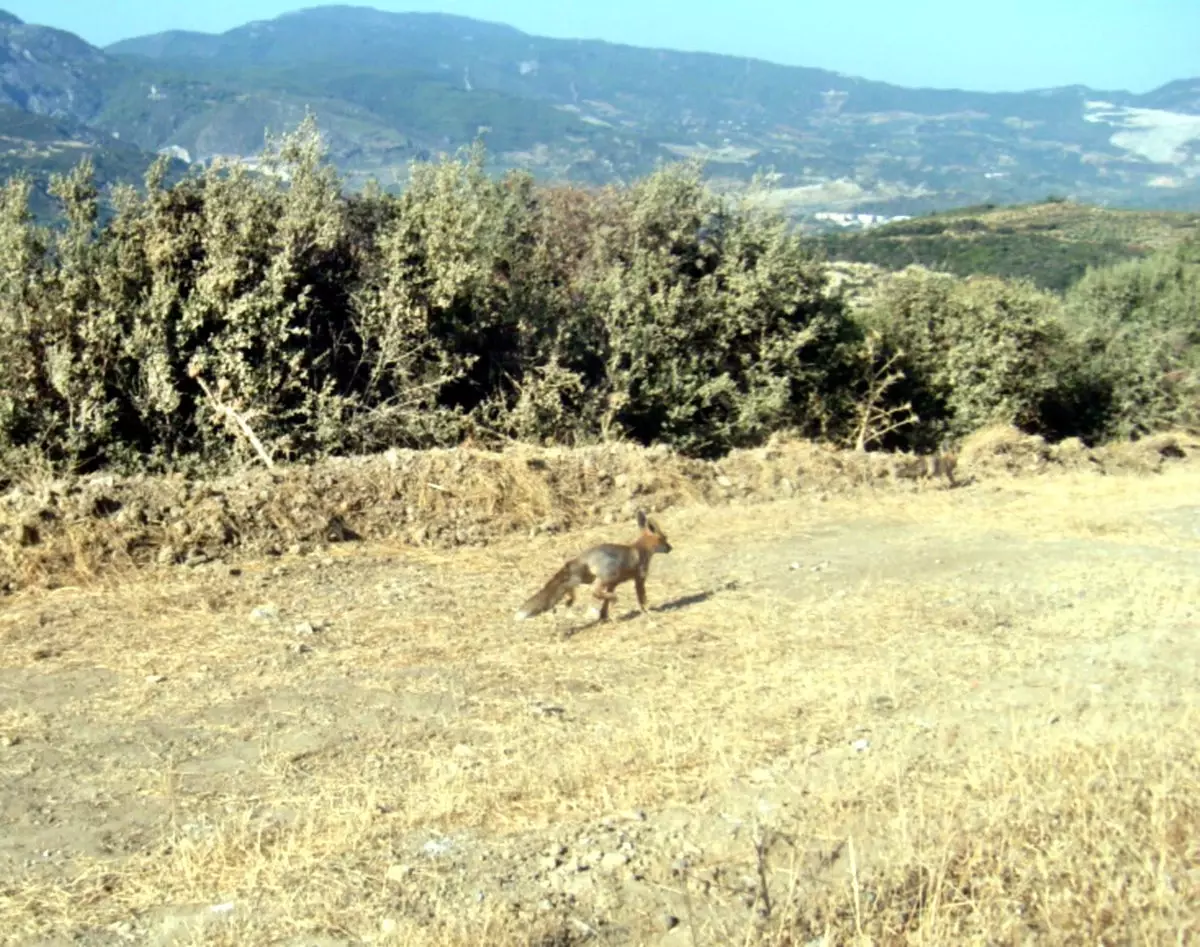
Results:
<point x="605" y="566"/>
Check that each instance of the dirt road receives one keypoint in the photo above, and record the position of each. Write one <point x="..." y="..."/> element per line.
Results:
<point x="945" y="712"/>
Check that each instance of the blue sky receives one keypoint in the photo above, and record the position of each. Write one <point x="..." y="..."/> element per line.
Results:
<point x="1007" y="45"/>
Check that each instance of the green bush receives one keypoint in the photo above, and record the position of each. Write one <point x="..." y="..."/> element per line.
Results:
<point x="1139" y="325"/>
<point x="655" y="312"/>
<point x="230" y="282"/>
<point x="718" y="327"/>
<point x="973" y="352"/>
<point x="268" y="302"/>
<point x="241" y="314"/>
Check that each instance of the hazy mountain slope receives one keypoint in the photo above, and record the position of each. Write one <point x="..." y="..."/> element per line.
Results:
<point x="832" y="139"/>
<point x="391" y="87"/>
<point x="53" y="86"/>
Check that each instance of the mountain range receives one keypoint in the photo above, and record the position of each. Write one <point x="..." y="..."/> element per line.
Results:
<point x="388" y="88"/>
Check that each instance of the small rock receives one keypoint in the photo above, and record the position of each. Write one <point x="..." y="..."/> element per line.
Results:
<point x="613" y="861"/>
<point x="670" y="922"/>
<point x="304" y="628"/>
<point x="9" y="741"/>
<point x="399" y="872"/>
<point x="861" y="746"/>
<point x="388" y="926"/>
<point x="154" y="678"/>
<point x="435" y="847"/>
<point x="723" y="481"/>
<point x="265" y="613"/>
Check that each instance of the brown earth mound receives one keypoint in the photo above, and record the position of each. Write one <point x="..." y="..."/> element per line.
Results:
<point x="51" y="529"/>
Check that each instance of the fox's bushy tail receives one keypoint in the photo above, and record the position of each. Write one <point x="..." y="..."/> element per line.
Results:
<point x="549" y="596"/>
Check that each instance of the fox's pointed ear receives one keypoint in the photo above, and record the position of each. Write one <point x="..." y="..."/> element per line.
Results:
<point x="641" y="519"/>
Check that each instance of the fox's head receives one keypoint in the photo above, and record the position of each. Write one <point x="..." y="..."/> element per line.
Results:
<point x="650" y="530"/>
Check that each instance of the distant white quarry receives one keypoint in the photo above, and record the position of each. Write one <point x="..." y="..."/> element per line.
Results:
<point x="1154" y="134"/>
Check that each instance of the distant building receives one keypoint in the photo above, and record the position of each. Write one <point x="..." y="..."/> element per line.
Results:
<point x="858" y="221"/>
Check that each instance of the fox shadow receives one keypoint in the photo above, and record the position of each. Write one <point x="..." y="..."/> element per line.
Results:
<point x="674" y="605"/>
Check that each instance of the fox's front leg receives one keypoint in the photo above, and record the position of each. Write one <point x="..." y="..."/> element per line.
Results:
<point x="639" y="585"/>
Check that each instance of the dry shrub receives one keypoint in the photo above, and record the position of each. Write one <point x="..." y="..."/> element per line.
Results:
<point x="1003" y="449"/>
<point x="447" y="497"/>
<point x="1148" y="454"/>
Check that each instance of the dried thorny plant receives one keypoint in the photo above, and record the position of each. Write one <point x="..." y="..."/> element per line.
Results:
<point x="876" y="419"/>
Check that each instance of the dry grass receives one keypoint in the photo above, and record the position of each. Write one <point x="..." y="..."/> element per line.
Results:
<point x="55" y="530"/>
<point x="936" y="717"/>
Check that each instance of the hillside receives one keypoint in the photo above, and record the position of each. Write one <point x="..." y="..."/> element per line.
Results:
<point x="597" y="111"/>
<point x="388" y="88"/>
<point x="37" y="146"/>
<point x="54" y="87"/>
<point x="1053" y="243"/>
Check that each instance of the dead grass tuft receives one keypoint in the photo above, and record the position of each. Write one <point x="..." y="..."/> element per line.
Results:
<point x="1003" y="450"/>
<point x="1057" y="845"/>
<point x="1149" y="454"/>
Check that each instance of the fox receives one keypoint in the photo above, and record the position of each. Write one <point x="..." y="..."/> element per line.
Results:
<point x="925" y="466"/>
<point x="604" y="567"/>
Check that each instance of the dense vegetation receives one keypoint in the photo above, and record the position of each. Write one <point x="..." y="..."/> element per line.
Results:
<point x="1053" y="244"/>
<point x="230" y="313"/>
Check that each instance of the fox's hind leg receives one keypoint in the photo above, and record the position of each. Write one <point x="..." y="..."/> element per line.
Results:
<point x="606" y="597"/>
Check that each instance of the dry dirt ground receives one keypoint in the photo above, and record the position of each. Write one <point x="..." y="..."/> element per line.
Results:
<point x="944" y="716"/>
